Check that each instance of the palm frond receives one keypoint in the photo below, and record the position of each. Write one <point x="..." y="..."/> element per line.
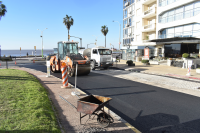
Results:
<point x="68" y="21"/>
<point x="104" y="30"/>
<point x="3" y="11"/>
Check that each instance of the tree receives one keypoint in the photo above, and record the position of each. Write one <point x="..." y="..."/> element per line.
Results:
<point x="68" y="21"/>
<point x="104" y="31"/>
<point x="2" y="10"/>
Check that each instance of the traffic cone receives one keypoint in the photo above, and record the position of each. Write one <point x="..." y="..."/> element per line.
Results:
<point x="15" y="62"/>
<point x="33" y="61"/>
<point x="188" y="72"/>
<point x="64" y="77"/>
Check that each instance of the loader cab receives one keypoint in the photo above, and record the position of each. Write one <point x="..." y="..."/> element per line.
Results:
<point x="67" y="49"/>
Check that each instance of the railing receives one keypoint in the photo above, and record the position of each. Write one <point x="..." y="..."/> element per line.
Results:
<point x="148" y="26"/>
<point x="148" y="11"/>
<point x="194" y="33"/>
<point x="181" y="15"/>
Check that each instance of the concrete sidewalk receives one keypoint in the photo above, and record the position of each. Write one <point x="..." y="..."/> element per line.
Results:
<point x="68" y="117"/>
<point x="158" y="70"/>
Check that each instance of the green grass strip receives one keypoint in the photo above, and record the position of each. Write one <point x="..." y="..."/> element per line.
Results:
<point x="24" y="104"/>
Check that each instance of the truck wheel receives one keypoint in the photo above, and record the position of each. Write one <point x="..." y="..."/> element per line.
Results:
<point x="93" y="65"/>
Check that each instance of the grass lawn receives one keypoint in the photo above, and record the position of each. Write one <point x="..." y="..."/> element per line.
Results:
<point x="24" y="104"/>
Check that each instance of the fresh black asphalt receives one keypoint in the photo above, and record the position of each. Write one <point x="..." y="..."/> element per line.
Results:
<point x="148" y="108"/>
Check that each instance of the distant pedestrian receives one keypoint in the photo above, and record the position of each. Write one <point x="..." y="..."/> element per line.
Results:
<point x="27" y="54"/>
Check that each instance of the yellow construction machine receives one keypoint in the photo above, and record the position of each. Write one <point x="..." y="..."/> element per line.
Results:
<point x="68" y="55"/>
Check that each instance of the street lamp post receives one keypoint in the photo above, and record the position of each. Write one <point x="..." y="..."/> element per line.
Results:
<point x="42" y="39"/>
<point x="96" y="37"/>
<point x="119" y="33"/>
<point x="90" y="43"/>
<point x="79" y="38"/>
<point x="112" y="45"/>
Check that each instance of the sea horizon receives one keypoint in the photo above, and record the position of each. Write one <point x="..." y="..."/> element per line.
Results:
<point x="24" y="52"/>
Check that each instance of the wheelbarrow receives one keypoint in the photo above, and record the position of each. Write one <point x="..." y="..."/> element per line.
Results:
<point x="92" y="105"/>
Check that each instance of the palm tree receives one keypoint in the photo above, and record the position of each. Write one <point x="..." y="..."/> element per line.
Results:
<point x="68" y="21"/>
<point x="2" y="10"/>
<point x="104" y="31"/>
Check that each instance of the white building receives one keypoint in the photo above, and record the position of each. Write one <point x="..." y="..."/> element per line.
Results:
<point x="168" y="27"/>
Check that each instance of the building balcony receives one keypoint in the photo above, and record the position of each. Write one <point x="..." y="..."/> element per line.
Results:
<point x="149" y="28"/>
<point x="149" y="13"/>
<point x="147" y="2"/>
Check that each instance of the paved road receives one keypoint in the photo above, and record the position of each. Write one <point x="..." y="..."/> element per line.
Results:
<point x="148" y="108"/>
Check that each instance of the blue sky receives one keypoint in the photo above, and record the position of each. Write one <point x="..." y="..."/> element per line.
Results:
<point x="19" y="26"/>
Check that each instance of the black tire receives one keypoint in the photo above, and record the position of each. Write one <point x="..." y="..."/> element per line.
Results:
<point x="93" y="65"/>
<point x="105" y="68"/>
<point x="103" y="119"/>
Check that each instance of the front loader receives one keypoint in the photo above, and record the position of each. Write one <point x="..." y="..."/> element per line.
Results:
<point x="68" y="54"/>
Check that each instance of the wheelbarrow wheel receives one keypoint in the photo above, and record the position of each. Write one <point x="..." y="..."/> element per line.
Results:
<point x="103" y="119"/>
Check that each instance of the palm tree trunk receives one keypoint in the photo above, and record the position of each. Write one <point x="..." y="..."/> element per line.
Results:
<point x="105" y="41"/>
<point x="68" y="35"/>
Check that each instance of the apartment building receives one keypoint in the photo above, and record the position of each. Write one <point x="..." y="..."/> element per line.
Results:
<point x="168" y="27"/>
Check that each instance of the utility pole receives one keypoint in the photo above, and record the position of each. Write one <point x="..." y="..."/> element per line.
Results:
<point x="42" y="39"/>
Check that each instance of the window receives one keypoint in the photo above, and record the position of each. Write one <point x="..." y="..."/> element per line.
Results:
<point x="60" y="47"/>
<point x="196" y="27"/>
<point x="125" y="13"/>
<point x="188" y="11"/>
<point x="125" y="22"/>
<point x="197" y="4"/>
<point x="181" y="31"/>
<point x="125" y="3"/>
<point x="179" y="13"/>
<point x="170" y="32"/>
<point x="125" y="33"/>
<point x="178" y="31"/>
<point x="182" y="12"/>
<point x="94" y="51"/>
<point x="197" y="8"/>
<point x="129" y="21"/>
<point x="104" y="52"/>
<point x="166" y="2"/>
<point x="132" y="20"/>
<point x="133" y="8"/>
<point x="187" y="30"/>
<point x="170" y="16"/>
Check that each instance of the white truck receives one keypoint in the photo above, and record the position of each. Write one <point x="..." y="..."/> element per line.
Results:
<point x="100" y="57"/>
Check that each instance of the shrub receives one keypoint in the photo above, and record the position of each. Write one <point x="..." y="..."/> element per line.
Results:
<point x="185" y="55"/>
<point x="145" y="61"/>
<point x="129" y="62"/>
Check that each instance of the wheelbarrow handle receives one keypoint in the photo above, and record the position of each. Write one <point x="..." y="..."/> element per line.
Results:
<point x="68" y="102"/>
